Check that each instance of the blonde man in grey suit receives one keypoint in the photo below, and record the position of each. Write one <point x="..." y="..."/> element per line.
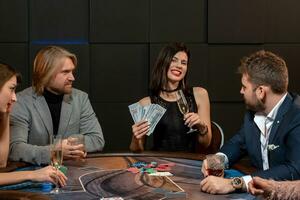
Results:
<point x="50" y="108"/>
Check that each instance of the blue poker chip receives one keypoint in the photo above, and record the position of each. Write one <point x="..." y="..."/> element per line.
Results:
<point x="47" y="186"/>
<point x="139" y="164"/>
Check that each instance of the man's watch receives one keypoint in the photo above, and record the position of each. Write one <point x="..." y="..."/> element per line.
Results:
<point x="237" y="183"/>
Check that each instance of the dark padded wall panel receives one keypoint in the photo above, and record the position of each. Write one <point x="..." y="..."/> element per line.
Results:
<point x="198" y="72"/>
<point x="229" y="116"/>
<point x="59" y="19"/>
<point x="117" y="43"/>
<point x="282" y="21"/>
<point x="116" y="124"/>
<point x="154" y="52"/>
<point x="13" y="21"/>
<point x="223" y="81"/>
<point x="235" y="21"/>
<point x="178" y="20"/>
<point x="119" y="72"/>
<point x="119" y="21"/>
<point x="82" y="74"/>
<point x="290" y="53"/>
<point x="16" y="55"/>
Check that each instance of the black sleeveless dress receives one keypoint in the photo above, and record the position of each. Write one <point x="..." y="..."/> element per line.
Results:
<point x="170" y="132"/>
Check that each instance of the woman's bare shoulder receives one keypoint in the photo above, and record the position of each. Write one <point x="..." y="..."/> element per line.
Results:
<point x="200" y="91"/>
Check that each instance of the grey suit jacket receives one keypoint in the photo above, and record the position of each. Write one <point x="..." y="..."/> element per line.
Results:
<point x="32" y="130"/>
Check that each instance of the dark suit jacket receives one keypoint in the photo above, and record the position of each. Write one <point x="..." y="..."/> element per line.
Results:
<point x="284" y="161"/>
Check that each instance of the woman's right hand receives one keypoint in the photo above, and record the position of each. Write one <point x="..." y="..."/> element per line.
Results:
<point x="49" y="174"/>
<point x="140" y="129"/>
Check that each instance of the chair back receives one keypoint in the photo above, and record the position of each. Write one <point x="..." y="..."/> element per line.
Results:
<point x="217" y="140"/>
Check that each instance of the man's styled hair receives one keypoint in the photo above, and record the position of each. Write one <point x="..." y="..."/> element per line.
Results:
<point x="6" y="72"/>
<point x="159" y="77"/>
<point x="46" y="63"/>
<point x="266" y="68"/>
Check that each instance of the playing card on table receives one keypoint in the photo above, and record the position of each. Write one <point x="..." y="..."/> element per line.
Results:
<point x="161" y="174"/>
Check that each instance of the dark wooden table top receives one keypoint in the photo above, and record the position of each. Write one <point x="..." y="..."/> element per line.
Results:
<point x="105" y="175"/>
<point x="243" y="165"/>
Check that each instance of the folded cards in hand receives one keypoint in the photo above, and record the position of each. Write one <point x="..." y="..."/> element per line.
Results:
<point x="152" y="113"/>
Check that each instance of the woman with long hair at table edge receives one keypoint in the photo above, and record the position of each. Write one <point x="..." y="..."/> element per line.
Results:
<point x="9" y="79"/>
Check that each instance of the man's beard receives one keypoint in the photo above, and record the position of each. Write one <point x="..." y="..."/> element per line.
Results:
<point x="67" y="89"/>
<point x="258" y="106"/>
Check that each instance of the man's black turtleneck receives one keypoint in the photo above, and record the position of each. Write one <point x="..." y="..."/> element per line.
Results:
<point x="54" y="103"/>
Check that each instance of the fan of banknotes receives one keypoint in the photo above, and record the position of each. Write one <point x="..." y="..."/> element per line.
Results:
<point x="152" y="113"/>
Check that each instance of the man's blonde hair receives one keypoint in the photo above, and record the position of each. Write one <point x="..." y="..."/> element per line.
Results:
<point x="46" y="64"/>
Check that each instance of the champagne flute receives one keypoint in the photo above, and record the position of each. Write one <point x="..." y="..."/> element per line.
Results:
<point x="56" y="159"/>
<point x="183" y="106"/>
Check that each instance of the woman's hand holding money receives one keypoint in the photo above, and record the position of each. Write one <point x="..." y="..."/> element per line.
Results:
<point x="140" y="129"/>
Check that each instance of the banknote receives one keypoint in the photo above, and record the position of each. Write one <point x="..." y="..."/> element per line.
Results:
<point x="153" y="118"/>
<point x="152" y="113"/>
<point x="135" y="111"/>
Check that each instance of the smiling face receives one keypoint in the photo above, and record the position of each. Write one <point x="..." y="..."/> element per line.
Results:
<point x="8" y="95"/>
<point x="63" y="79"/>
<point x="178" y="67"/>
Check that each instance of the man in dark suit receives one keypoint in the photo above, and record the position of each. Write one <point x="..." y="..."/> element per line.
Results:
<point x="270" y="135"/>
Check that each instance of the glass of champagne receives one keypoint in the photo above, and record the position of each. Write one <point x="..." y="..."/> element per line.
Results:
<point x="56" y="159"/>
<point x="183" y="106"/>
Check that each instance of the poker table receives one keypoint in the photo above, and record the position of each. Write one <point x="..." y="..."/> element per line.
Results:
<point x="105" y="175"/>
